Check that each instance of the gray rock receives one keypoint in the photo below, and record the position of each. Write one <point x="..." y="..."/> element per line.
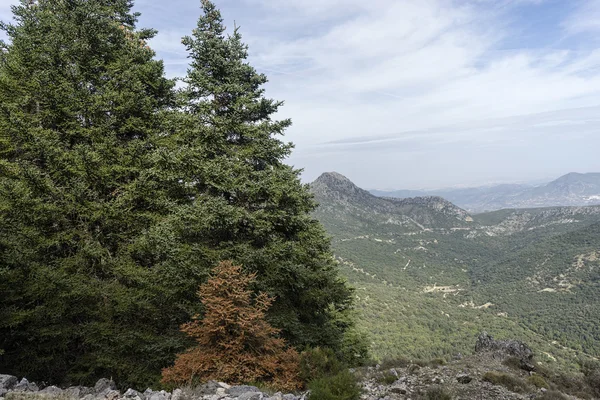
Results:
<point x="8" y="381"/>
<point x="239" y="390"/>
<point x="52" y="390"/>
<point x="289" y="397"/>
<point x="399" y="389"/>
<point x="104" y="386"/>
<point x="177" y="394"/>
<point x="78" y="391"/>
<point x="25" y="386"/>
<point x="463" y="378"/>
<point x="158" y="396"/>
<point x="209" y="387"/>
<point x="486" y="343"/>
<point x="147" y="393"/>
<point x="251" y="396"/>
<point x="3" y="392"/>
<point x="133" y="393"/>
<point x="109" y="395"/>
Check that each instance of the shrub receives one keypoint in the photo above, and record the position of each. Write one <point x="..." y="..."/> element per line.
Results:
<point x="317" y="363"/>
<point x="387" y="378"/>
<point x="437" y="393"/>
<point x="234" y="341"/>
<point x="388" y="363"/>
<point x="512" y="363"/>
<point x="537" y="381"/>
<point x="510" y="382"/>
<point x="342" y="386"/>
<point x="552" y="395"/>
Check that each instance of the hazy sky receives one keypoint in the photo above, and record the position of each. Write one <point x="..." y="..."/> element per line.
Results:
<point x="418" y="93"/>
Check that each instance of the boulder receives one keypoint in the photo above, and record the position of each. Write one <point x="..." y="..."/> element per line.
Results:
<point x="78" y="391"/>
<point x="8" y="381"/>
<point x="25" y="386"/>
<point x="515" y="348"/>
<point x="104" y="386"/>
<point x="250" y="396"/>
<point x="237" y="391"/>
<point x="53" y="390"/>
<point x="131" y="393"/>
<point x="177" y="394"/>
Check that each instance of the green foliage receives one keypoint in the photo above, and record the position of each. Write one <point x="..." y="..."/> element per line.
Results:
<point x="437" y="393"/>
<point x="342" y="386"/>
<point x="509" y="381"/>
<point x="537" y="381"/>
<point x="117" y="196"/>
<point x="318" y="362"/>
<point x="386" y="377"/>
<point x="513" y="363"/>
<point x="552" y="395"/>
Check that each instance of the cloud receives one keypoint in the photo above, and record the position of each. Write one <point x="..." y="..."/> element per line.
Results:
<point x="584" y="19"/>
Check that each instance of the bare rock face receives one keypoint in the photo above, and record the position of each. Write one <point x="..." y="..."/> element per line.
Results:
<point x="515" y="348"/>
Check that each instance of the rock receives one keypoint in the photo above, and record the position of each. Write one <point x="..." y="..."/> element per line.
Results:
<point x="177" y="394"/>
<point x="401" y="389"/>
<point x="527" y="366"/>
<point x="104" y="385"/>
<point x="147" y="393"/>
<point x="3" y="392"/>
<point x="463" y="378"/>
<point x="78" y="391"/>
<point x="250" y="396"/>
<point x="8" y="381"/>
<point x="52" y="390"/>
<point x="209" y="387"/>
<point x="25" y="386"/>
<point x="158" y="396"/>
<point x="486" y="343"/>
<point x="110" y="395"/>
<point x="241" y="389"/>
<point x="134" y="393"/>
<point x="223" y="385"/>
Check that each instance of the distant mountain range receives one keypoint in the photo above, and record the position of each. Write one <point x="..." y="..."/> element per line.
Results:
<point x="573" y="189"/>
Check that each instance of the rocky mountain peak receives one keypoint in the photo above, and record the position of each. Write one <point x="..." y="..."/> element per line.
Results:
<point x="337" y="186"/>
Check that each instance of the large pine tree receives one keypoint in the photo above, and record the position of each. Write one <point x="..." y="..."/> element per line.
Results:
<point x="249" y="206"/>
<point x="80" y="112"/>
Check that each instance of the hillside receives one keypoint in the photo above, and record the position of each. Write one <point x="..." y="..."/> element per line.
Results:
<point x="573" y="189"/>
<point x="429" y="276"/>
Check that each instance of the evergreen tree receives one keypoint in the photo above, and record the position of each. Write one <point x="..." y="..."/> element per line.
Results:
<point x="234" y="343"/>
<point x="248" y="205"/>
<point x="80" y="114"/>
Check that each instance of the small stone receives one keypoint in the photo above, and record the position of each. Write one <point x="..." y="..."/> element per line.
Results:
<point x="223" y="385"/>
<point x="398" y="389"/>
<point x="112" y="395"/>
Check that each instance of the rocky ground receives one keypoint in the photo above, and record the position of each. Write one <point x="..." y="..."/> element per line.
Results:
<point x="499" y="370"/>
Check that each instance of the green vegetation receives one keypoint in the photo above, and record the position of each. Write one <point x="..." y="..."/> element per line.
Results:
<point x="426" y="291"/>
<point x="341" y="386"/>
<point x="509" y="381"/>
<point x="118" y="194"/>
<point x="537" y="381"/>
<point x="437" y="393"/>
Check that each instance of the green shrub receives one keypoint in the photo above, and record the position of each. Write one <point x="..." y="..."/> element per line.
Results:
<point x="512" y="363"/>
<point x="388" y="363"/>
<point x="342" y="386"/>
<point x="537" y="381"/>
<point x="510" y="382"/>
<point x="552" y="395"/>
<point x="318" y="363"/>
<point x="437" y="393"/>
<point x="386" y="378"/>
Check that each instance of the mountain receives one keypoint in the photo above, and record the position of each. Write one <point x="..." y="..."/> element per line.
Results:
<point x="573" y="189"/>
<point x="429" y="275"/>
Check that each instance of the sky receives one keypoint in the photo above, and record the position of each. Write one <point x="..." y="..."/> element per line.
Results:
<point x="410" y="94"/>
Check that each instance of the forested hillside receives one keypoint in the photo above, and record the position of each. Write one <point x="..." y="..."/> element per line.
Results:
<point x="425" y="286"/>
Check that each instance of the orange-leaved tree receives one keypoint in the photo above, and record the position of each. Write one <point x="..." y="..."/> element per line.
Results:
<point x="234" y="342"/>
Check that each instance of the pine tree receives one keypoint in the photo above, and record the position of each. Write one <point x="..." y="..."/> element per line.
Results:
<point x="81" y="102"/>
<point x="249" y="206"/>
<point x="234" y="342"/>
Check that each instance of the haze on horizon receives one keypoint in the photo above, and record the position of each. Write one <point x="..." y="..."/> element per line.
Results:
<point x="418" y="93"/>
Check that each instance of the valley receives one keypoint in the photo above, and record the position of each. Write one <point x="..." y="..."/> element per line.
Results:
<point x="429" y="276"/>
